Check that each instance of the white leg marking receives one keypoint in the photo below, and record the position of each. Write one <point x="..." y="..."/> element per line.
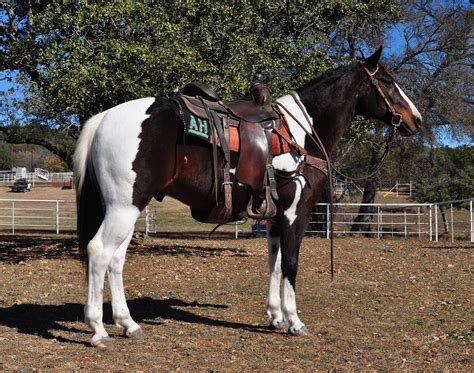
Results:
<point x="290" y="312"/>
<point x="290" y="213"/>
<point x="121" y="314"/>
<point x="273" y="303"/>
<point x="413" y="108"/>
<point x="112" y="234"/>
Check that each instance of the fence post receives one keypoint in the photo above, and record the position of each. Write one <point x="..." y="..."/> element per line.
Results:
<point x="436" y="222"/>
<point x="419" y="222"/>
<point x="405" y="222"/>
<point x="472" y="221"/>
<point x="147" y="219"/>
<point x="452" y="224"/>
<point x="327" y="220"/>
<point x="13" y="217"/>
<point x="378" y="222"/>
<point x="57" y="217"/>
<point x="431" y="221"/>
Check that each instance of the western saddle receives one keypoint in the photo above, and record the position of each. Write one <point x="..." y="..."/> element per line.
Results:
<point x="254" y="116"/>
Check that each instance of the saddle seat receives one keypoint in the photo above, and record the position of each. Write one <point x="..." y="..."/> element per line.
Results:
<point x="201" y="89"/>
<point x="254" y="108"/>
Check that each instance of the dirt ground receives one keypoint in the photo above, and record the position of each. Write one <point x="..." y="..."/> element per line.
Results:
<point x="394" y="305"/>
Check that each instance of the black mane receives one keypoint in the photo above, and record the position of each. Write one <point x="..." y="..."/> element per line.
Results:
<point x="326" y="78"/>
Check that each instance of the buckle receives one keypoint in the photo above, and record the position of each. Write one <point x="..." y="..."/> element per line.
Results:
<point x="397" y="120"/>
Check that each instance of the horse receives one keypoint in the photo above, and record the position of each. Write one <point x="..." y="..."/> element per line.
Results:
<point x="134" y="152"/>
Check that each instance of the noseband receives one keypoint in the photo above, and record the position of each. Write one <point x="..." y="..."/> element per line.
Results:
<point x="396" y="117"/>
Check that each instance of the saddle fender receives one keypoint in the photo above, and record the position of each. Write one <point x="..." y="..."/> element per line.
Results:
<point x="253" y="155"/>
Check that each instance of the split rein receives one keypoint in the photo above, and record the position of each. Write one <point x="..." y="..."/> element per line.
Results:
<point x="309" y="160"/>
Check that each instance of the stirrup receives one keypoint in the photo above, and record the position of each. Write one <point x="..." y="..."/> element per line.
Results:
<point x="266" y="210"/>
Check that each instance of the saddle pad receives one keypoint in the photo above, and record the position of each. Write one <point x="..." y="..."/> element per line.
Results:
<point x="199" y="127"/>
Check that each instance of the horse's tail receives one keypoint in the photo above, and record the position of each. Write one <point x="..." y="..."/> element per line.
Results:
<point x="90" y="211"/>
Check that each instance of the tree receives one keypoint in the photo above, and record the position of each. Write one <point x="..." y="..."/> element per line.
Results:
<point x="73" y="59"/>
<point x="434" y="65"/>
<point x="451" y="176"/>
<point x="6" y="160"/>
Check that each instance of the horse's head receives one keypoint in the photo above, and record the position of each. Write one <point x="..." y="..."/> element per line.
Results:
<point x="382" y="99"/>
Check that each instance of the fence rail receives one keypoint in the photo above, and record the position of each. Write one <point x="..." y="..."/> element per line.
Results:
<point x="58" y="216"/>
<point x="431" y="220"/>
<point x="453" y="219"/>
<point x="39" y="176"/>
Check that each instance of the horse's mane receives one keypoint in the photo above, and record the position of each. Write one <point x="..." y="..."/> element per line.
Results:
<point x="327" y="77"/>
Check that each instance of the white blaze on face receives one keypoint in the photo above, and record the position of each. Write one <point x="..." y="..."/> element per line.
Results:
<point x="413" y="108"/>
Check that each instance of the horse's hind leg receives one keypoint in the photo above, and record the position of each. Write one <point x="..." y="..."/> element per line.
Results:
<point x="113" y="234"/>
<point x="121" y="314"/>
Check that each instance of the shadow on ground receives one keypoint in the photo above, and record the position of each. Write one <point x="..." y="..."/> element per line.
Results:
<point x="45" y="320"/>
<point x="18" y="249"/>
<point x="23" y="248"/>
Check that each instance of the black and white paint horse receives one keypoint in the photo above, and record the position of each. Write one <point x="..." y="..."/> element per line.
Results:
<point x="129" y="154"/>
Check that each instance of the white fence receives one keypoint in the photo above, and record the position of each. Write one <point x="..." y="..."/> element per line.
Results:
<point x="452" y="219"/>
<point x="59" y="216"/>
<point x="37" y="177"/>
<point x="402" y="190"/>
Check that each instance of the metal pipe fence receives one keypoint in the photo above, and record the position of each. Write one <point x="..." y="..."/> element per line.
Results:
<point x="452" y="219"/>
<point x="58" y="216"/>
<point x="449" y="220"/>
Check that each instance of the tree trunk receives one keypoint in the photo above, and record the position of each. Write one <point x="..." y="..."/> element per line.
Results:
<point x="364" y="218"/>
<point x="362" y="223"/>
<point x="443" y="218"/>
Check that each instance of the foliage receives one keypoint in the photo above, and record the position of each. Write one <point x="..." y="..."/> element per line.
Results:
<point x="6" y="160"/>
<point x="451" y="176"/>
<point x="75" y="58"/>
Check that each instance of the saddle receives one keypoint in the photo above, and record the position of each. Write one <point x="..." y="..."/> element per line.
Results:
<point x="243" y="126"/>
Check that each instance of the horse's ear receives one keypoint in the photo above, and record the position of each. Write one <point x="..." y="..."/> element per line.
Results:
<point x="372" y="61"/>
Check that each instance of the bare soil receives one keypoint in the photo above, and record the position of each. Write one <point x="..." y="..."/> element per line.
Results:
<point x="394" y="305"/>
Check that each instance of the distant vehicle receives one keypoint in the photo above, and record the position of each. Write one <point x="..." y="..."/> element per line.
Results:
<point x="21" y="185"/>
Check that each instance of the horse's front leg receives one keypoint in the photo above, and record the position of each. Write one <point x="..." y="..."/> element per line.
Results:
<point x="273" y="303"/>
<point x="284" y="239"/>
<point x="292" y="235"/>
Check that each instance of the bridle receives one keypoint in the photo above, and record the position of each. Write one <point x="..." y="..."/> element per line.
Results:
<point x="397" y="118"/>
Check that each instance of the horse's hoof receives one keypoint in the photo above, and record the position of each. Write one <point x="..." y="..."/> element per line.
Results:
<point x="299" y="332"/>
<point x="136" y="334"/>
<point x="104" y="343"/>
<point x="279" y="325"/>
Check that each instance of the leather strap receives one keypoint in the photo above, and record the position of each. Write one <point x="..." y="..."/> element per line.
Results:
<point x="227" y="184"/>
<point x="212" y="128"/>
<point x="396" y="117"/>
<point x="291" y="142"/>
<point x="318" y="163"/>
<point x="270" y="171"/>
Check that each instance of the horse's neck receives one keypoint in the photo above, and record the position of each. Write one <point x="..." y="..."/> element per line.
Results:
<point x="331" y="107"/>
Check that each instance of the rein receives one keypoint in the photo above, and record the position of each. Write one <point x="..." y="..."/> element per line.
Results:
<point x="396" y="122"/>
<point x="315" y="138"/>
